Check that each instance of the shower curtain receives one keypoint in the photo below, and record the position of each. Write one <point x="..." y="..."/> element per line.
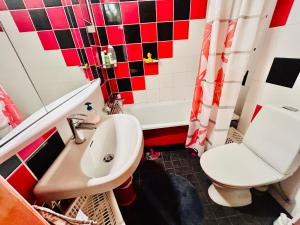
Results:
<point x="230" y="35"/>
<point x="10" y="116"/>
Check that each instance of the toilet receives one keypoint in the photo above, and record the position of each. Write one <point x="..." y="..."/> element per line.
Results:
<point x="269" y="153"/>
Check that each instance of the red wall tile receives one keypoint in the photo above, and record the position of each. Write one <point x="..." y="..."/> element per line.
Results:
<point x="89" y="75"/>
<point x="115" y="35"/>
<point x="122" y="70"/>
<point x="134" y="52"/>
<point x="149" y="32"/>
<point x="22" y="20"/>
<point x="165" y="49"/>
<point x="151" y="68"/>
<point x="281" y="12"/>
<point x="57" y="17"/>
<point x="30" y="4"/>
<point x="130" y="12"/>
<point x="2" y="5"/>
<point x="198" y="9"/>
<point x="78" y="16"/>
<point x="104" y="92"/>
<point x="113" y="85"/>
<point x="90" y="56"/>
<point x="165" y="9"/>
<point x="181" y="30"/>
<point x="71" y="57"/>
<point x="97" y="13"/>
<point x="138" y="83"/>
<point x="128" y="97"/>
<point x="77" y="38"/>
<point x="34" y="4"/>
<point x="23" y="182"/>
<point x="48" y="40"/>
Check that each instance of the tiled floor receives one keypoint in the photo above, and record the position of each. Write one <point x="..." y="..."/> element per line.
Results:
<point x="263" y="211"/>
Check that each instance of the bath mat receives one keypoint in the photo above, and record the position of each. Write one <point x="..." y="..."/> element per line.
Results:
<point x="174" y="199"/>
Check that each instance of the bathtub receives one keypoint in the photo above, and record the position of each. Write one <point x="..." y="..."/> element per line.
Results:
<point x="162" y="114"/>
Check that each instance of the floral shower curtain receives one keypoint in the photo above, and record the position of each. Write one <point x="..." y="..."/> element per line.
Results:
<point x="230" y="34"/>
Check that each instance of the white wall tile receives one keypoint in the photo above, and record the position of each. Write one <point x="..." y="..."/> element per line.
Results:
<point x="140" y="96"/>
<point x="166" y="94"/>
<point x="151" y="82"/>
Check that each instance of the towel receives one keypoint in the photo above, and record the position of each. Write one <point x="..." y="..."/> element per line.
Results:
<point x="58" y="219"/>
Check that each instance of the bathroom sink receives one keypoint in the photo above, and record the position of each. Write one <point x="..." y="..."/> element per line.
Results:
<point x="103" y="162"/>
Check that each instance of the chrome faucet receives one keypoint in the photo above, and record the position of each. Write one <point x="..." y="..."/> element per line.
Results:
<point x="76" y="123"/>
<point x="114" y="104"/>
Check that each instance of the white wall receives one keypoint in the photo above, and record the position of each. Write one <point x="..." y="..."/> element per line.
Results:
<point x="176" y="78"/>
<point x="280" y="41"/>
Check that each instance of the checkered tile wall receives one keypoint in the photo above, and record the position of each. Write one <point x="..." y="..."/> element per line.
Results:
<point x="132" y="27"/>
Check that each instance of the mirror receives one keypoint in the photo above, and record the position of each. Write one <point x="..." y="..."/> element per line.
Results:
<point x="47" y="69"/>
<point x="34" y="79"/>
<point x="18" y="97"/>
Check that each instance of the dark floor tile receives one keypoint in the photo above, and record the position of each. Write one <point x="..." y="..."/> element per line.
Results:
<point x="176" y="163"/>
<point x="209" y="222"/>
<point x="166" y="156"/>
<point x="168" y="165"/>
<point x="223" y="221"/>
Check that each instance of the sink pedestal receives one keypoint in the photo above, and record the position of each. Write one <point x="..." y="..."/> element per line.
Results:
<point x="125" y="194"/>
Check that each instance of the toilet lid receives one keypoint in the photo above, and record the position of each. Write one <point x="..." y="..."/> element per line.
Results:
<point x="236" y="165"/>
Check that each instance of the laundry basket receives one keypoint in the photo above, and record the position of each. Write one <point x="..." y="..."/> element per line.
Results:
<point x="101" y="208"/>
<point x="234" y="136"/>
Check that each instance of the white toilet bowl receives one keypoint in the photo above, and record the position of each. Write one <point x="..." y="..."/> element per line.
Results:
<point x="269" y="154"/>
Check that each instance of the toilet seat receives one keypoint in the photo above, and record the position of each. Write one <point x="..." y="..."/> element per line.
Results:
<point x="235" y="165"/>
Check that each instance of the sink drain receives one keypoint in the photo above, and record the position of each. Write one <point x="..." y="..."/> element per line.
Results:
<point x="108" y="157"/>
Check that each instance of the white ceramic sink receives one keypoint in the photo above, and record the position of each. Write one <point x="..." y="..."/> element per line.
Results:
<point x="81" y="169"/>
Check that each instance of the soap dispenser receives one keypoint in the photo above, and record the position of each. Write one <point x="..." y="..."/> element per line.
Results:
<point x="93" y="115"/>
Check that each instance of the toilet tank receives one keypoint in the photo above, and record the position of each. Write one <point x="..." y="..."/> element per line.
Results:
<point x="274" y="135"/>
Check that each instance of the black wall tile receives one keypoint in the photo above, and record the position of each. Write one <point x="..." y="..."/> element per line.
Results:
<point x="40" y="19"/>
<point x="112" y="14"/>
<point x="74" y="2"/>
<point x="110" y="73"/>
<point x="150" y="47"/>
<point x="181" y="9"/>
<point x="40" y="161"/>
<point x="102" y="35"/>
<point x="15" y="4"/>
<point x="108" y="88"/>
<point x="136" y="68"/>
<point x="7" y="167"/>
<point x="120" y="53"/>
<point x="71" y="17"/>
<point x="100" y="74"/>
<point x="94" y="72"/>
<point x="147" y="11"/>
<point x="124" y="84"/>
<point x="84" y="37"/>
<point x="284" y="72"/>
<point x="64" y="38"/>
<point x="82" y="55"/>
<point x="91" y="39"/>
<point x="132" y="33"/>
<point x="95" y="1"/>
<point x="49" y="3"/>
<point x="165" y="31"/>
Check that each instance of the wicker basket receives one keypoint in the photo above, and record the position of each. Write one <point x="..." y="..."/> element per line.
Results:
<point x="234" y="136"/>
<point x="101" y="208"/>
